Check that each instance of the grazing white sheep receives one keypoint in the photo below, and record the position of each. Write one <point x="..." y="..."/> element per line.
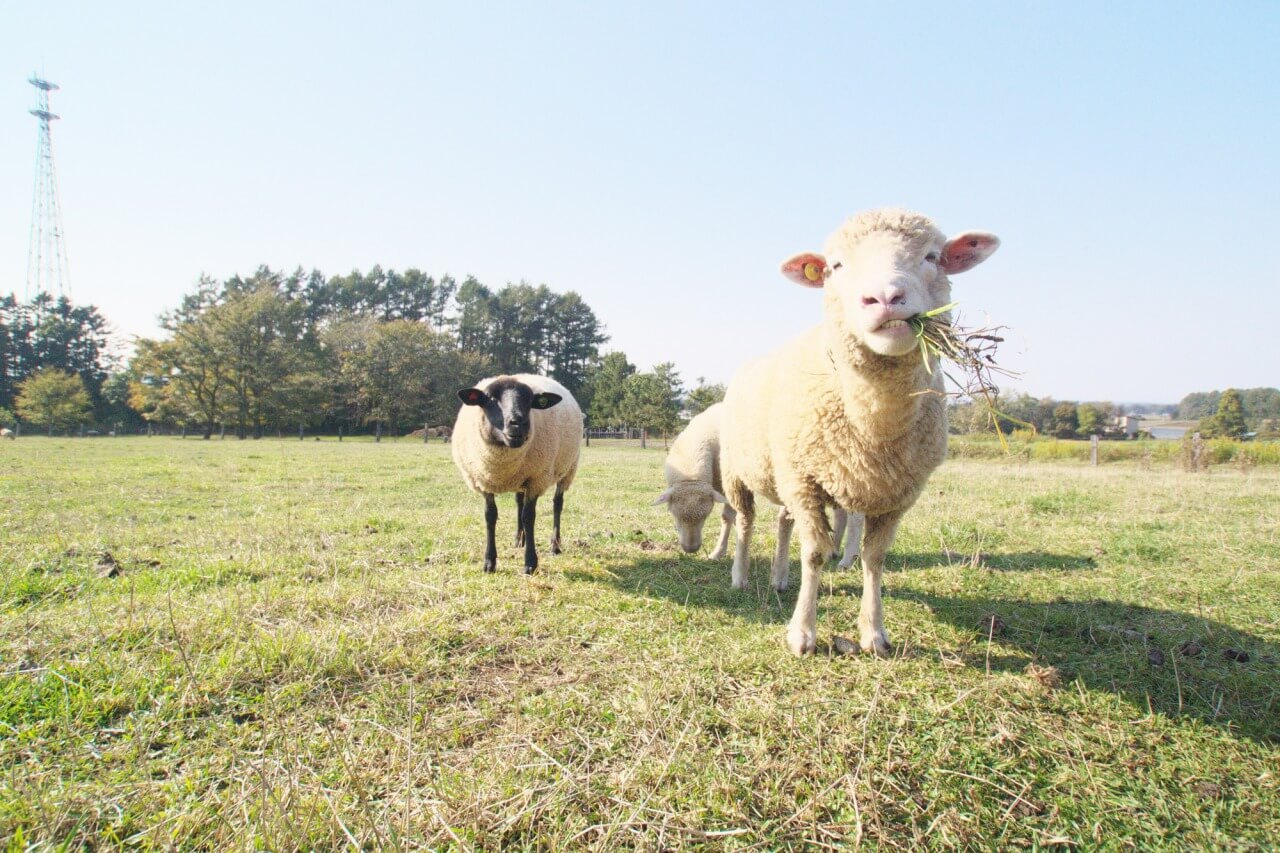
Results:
<point x="518" y="434"/>
<point x="5" y="432"/>
<point x="847" y="414"/>
<point x="692" y="472"/>
<point x="693" y="488"/>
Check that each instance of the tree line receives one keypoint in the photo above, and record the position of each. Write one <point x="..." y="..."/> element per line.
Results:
<point x="381" y="350"/>
<point x="1227" y="414"/>
<point x="386" y="350"/>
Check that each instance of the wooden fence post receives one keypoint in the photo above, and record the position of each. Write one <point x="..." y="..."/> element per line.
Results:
<point x="1093" y="450"/>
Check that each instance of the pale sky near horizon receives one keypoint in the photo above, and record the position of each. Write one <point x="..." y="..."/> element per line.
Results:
<point x="662" y="158"/>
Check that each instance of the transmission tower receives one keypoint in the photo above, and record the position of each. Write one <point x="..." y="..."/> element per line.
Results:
<point x="47" y="268"/>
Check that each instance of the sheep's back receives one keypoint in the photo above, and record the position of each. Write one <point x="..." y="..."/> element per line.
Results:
<point x="695" y="454"/>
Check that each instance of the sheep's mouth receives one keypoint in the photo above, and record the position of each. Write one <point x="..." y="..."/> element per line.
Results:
<point x="894" y="327"/>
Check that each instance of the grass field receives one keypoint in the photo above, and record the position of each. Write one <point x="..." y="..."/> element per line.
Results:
<point x="290" y="645"/>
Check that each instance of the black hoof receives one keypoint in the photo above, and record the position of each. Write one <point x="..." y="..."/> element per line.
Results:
<point x="528" y="570"/>
<point x="490" y="566"/>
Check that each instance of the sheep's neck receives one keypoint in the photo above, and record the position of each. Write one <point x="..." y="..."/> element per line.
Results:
<point x="498" y="459"/>
<point x="882" y="396"/>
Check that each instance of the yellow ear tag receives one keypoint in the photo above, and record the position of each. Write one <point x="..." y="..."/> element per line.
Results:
<point x="812" y="272"/>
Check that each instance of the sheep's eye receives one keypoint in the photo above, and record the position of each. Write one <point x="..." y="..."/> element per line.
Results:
<point x="836" y="266"/>
<point x="932" y="257"/>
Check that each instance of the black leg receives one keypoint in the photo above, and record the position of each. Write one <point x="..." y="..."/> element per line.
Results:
<point x="490" y="529"/>
<point x="519" y="519"/>
<point x="557" y="506"/>
<point x="530" y="552"/>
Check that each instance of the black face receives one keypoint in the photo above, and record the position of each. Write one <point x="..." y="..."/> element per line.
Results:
<point x="507" y="403"/>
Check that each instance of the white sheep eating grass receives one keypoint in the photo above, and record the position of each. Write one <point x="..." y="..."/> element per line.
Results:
<point x="694" y="487"/>
<point x="518" y="434"/>
<point x="848" y="414"/>
<point x="692" y="471"/>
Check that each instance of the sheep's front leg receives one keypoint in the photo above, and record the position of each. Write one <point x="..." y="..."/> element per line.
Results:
<point x="519" y="519"/>
<point x="880" y="530"/>
<point x="852" y="544"/>
<point x="557" y="506"/>
<point x="727" y="518"/>
<point x="815" y="550"/>
<point x="781" y="570"/>
<point x="745" y="505"/>
<point x="491" y="532"/>
<point x="530" y="550"/>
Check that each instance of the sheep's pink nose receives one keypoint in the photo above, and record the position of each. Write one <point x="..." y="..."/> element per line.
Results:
<point x="891" y="295"/>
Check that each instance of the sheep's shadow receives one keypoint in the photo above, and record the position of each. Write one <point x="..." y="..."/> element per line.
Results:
<point x="1177" y="664"/>
<point x="1002" y="561"/>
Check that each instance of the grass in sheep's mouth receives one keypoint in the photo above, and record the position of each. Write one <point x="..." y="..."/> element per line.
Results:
<point x="973" y="351"/>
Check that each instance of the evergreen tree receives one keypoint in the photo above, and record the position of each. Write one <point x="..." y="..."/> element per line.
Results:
<point x="704" y="397"/>
<point x="606" y="389"/>
<point x="651" y="401"/>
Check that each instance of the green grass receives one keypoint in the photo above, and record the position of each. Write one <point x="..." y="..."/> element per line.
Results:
<point x="298" y="650"/>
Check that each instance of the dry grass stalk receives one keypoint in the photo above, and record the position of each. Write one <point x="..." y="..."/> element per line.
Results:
<point x="973" y="351"/>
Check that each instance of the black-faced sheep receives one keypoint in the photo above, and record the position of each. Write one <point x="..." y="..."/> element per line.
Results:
<point x="518" y="434"/>
<point x="847" y="414"/>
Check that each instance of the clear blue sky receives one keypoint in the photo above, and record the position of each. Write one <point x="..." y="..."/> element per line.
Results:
<point x="661" y="159"/>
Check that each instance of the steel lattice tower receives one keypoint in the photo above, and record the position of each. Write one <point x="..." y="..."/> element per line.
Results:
<point x="47" y="268"/>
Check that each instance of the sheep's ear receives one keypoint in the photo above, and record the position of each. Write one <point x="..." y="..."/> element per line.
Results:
<point x="967" y="251"/>
<point x="545" y="400"/>
<point x="662" y="498"/>
<point x="718" y="498"/>
<point x="473" y="396"/>
<point x="807" y="269"/>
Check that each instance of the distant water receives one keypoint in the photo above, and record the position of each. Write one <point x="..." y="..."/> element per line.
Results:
<point x="1167" y="432"/>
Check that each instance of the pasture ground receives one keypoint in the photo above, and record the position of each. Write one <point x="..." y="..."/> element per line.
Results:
<point x="290" y="645"/>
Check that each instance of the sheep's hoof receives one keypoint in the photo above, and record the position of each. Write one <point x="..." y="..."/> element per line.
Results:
<point x="847" y="562"/>
<point x="877" y="642"/>
<point x="801" y="640"/>
<point x="528" y="570"/>
<point x="779" y="586"/>
<point x="717" y="554"/>
<point x="555" y="547"/>
<point x="739" y="583"/>
<point x="490" y="566"/>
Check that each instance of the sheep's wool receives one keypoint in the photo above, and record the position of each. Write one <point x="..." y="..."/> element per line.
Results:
<point x="549" y="458"/>
<point x="695" y="454"/>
